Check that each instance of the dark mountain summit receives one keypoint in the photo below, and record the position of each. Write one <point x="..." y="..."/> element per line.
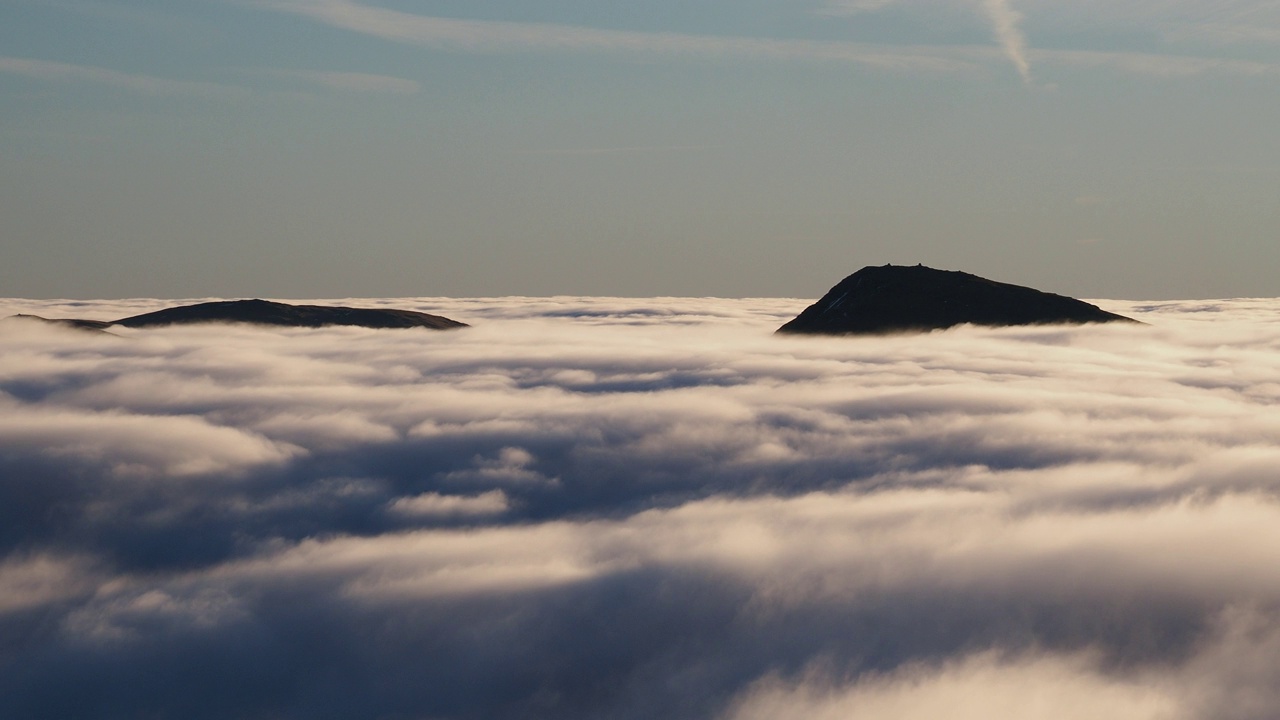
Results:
<point x="892" y="298"/>
<point x="265" y="312"/>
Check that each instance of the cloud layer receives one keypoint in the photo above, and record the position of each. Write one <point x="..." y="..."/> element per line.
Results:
<point x="591" y="507"/>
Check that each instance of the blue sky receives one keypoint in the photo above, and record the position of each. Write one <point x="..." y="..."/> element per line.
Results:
<point x="330" y="148"/>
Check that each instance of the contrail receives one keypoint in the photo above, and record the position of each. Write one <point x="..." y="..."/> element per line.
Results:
<point x="1005" y="21"/>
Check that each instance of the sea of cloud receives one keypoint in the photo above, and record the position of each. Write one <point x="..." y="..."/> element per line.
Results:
<point x="638" y="508"/>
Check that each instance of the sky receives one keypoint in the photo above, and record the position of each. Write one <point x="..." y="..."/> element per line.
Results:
<point x="638" y="508"/>
<point x="744" y="148"/>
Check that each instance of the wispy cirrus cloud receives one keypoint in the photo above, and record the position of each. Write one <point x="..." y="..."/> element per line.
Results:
<point x="60" y="72"/>
<point x="495" y="36"/>
<point x="1185" y="31"/>
<point x="1006" y="23"/>
<point x="1157" y="65"/>
<point x="353" y="81"/>
<point x="1006" y="20"/>
<point x="142" y="84"/>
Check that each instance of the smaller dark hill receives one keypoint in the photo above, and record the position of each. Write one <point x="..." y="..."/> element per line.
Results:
<point x="892" y="299"/>
<point x="265" y="312"/>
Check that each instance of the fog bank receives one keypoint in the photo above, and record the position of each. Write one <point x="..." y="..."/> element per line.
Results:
<point x="610" y="507"/>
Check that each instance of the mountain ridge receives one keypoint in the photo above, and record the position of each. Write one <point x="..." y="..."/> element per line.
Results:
<point x="267" y="312"/>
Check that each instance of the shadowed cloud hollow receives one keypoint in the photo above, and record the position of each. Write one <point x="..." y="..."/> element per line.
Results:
<point x="636" y="508"/>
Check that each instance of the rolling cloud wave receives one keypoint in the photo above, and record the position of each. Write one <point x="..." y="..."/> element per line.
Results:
<point x="587" y="507"/>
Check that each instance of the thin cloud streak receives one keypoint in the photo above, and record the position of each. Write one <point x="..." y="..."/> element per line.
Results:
<point x="1157" y="65"/>
<point x="1182" y="24"/>
<point x="493" y="36"/>
<point x="141" y="84"/>
<point x="1005" y="23"/>
<point x="354" y="81"/>
<point x="477" y="36"/>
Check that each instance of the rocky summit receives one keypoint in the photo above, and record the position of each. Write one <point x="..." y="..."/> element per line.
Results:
<point x="895" y="299"/>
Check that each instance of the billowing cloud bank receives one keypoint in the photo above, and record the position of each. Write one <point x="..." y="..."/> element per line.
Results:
<point x="641" y="508"/>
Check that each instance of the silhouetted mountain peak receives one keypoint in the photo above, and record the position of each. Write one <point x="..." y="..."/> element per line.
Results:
<point x="894" y="298"/>
<point x="266" y="312"/>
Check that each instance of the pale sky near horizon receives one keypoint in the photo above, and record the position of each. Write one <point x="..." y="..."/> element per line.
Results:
<point x="343" y="148"/>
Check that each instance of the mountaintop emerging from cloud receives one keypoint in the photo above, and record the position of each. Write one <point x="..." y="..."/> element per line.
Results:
<point x="893" y="298"/>
<point x="266" y="312"/>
